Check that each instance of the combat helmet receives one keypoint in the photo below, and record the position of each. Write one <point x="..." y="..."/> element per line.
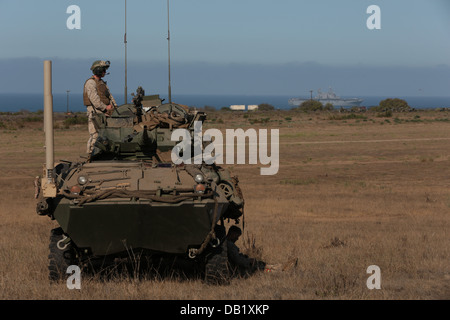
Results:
<point x="100" y="66"/>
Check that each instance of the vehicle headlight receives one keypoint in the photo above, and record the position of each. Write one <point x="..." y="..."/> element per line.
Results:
<point x="198" y="178"/>
<point x="82" y="180"/>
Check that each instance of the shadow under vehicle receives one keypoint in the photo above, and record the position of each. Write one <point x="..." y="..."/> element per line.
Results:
<point x="128" y="199"/>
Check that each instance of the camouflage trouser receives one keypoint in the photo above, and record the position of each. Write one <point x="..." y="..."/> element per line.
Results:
<point x="93" y="134"/>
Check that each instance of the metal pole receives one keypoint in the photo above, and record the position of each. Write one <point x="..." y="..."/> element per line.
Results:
<point x="68" y="101"/>
<point x="168" y="40"/>
<point x="48" y="120"/>
<point x="125" y="42"/>
<point x="311" y="93"/>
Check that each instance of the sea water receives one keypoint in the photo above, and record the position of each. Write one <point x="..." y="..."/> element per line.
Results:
<point x="63" y="102"/>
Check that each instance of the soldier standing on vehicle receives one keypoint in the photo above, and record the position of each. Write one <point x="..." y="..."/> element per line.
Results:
<point x="97" y="98"/>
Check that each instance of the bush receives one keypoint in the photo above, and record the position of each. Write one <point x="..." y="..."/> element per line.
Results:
<point x="347" y="117"/>
<point x="392" y="105"/>
<point x="311" y="105"/>
<point x="33" y="119"/>
<point x="328" y="107"/>
<point x="75" y="120"/>
<point x="209" y="109"/>
<point x="262" y="120"/>
<point x="386" y="113"/>
<point x="265" y="107"/>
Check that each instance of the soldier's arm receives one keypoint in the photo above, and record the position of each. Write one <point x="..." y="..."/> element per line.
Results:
<point x="236" y="257"/>
<point x="91" y="91"/>
<point x="113" y="101"/>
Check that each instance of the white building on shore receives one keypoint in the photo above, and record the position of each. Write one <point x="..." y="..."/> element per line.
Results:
<point x="242" y="107"/>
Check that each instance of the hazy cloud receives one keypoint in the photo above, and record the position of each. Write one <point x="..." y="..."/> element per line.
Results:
<point x="26" y="74"/>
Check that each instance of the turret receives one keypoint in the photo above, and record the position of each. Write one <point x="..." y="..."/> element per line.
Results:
<point x="141" y="130"/>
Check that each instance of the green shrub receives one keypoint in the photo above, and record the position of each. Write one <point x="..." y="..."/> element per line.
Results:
<point x="385" y="114"/>
<point x="347" y="116"/>
<point x="328" y="107"/>
<point x="75" y="120"/>
<point x="392" y="105"/>
<point x="298" y="182"/>
<point x="265" y="107"/>
<point x="311" y="105"/>
<point x="33" y="119"/>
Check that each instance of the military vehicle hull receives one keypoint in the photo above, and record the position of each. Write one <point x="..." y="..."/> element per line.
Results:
<point x="108" y="207"/>
<point x="117" y="225"/>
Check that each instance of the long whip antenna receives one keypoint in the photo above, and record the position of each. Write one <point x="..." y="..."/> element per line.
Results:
<point x="168" y="43"/>
<point x="125" y="42"/>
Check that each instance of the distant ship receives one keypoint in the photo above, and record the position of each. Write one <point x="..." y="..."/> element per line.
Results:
<point x="328" y="97"/>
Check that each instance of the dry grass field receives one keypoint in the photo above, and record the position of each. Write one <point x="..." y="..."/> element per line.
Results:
<point x="350" y="192"/>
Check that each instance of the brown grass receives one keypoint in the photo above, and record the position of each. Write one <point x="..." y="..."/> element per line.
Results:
<point x="349" y="194"/>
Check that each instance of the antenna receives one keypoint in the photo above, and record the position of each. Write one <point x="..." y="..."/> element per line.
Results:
<point x="125" y="42"/>
<point x="168" y="42"/>
<point x="67" y="101"/>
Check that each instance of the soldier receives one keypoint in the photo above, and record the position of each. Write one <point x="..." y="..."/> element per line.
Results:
<point x="241" y="263"/>
<point x="97" y="98"/>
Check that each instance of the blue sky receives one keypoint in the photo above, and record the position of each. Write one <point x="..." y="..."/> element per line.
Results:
<point x="267" y="38"/>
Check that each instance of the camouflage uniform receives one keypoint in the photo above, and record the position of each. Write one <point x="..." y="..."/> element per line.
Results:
<point x="241" y="263"/>
<point x="96" y="97"/>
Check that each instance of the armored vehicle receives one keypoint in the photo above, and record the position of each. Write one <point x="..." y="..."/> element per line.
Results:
<point x="129" y="199"/>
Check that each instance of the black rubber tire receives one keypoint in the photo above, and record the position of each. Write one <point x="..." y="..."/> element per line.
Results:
<point x="59" y="260"/>
<point x="217" y="270"/>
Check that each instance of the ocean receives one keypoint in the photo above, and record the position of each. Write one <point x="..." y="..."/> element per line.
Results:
<point x="35" y="101"/>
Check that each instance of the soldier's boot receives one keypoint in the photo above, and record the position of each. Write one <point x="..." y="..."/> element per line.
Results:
<point x="292" y="263"/>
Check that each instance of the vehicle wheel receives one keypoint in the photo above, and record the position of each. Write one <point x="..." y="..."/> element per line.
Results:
<point x="216" y="270"/>
<point x="59" y="260"/>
